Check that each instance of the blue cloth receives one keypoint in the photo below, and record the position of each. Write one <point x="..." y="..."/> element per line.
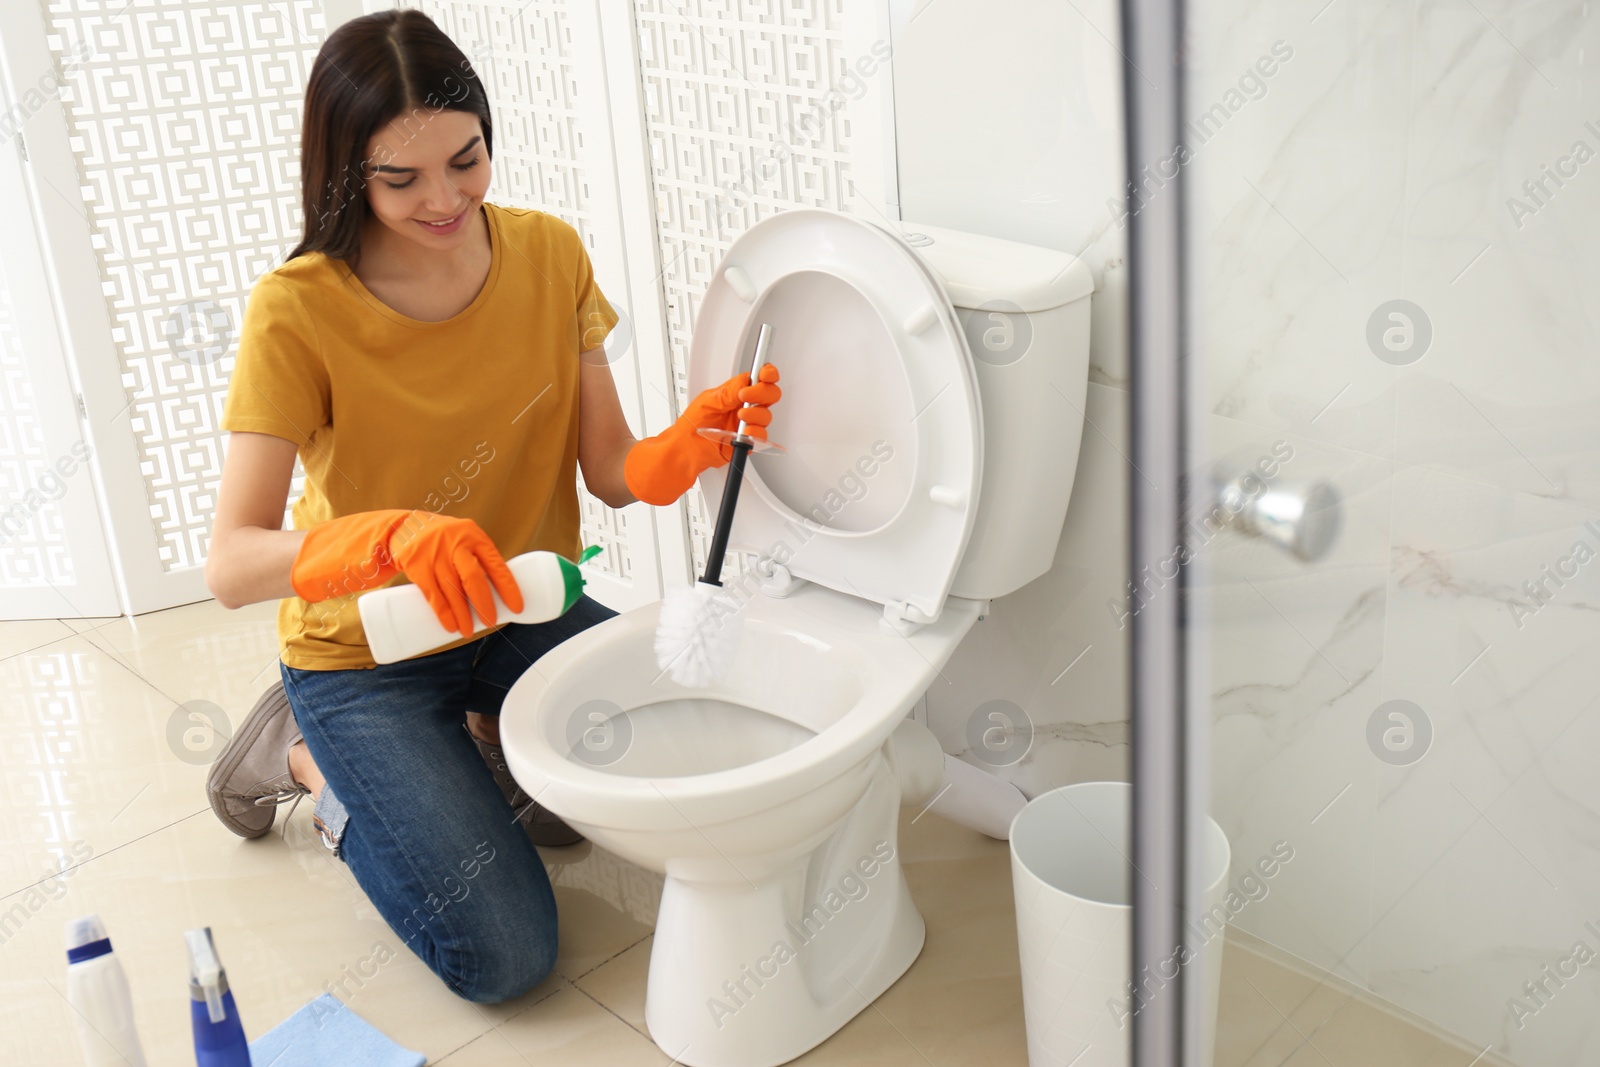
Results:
<point x="326" y="1032"/>
<point x="420" y="822"/>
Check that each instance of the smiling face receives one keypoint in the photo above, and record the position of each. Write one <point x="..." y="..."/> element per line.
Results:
<point x="425" y="169"/>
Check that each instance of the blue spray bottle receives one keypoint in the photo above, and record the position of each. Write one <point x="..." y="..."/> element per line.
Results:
<point x="218" y="1035"/>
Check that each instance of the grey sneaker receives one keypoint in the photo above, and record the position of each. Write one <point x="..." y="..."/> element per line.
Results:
<point x="543" y="827"/>
<point x="251" y="777"/>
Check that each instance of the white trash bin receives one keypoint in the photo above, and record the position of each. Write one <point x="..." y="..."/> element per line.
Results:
<point x="1072" y="877"/>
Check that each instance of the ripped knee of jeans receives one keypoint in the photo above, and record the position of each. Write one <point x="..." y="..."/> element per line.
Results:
<point x="330" y="818"/>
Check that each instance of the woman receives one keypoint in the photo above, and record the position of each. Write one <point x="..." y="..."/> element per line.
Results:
<point x="436" y="363"/>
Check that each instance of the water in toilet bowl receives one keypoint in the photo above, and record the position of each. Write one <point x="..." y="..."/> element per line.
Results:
<point x="696" y="735"/>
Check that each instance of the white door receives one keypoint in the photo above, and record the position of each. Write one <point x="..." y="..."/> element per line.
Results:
<point x="142" y="127"/>
<point x="53" y="559"/>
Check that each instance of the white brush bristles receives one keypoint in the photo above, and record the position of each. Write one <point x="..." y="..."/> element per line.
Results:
<point x="697" y="634"/>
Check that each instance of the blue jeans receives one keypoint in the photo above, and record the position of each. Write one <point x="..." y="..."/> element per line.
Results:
<point x="413" y="810"/>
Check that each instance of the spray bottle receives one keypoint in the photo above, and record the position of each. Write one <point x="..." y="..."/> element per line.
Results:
<point x="399" y="623"/>
<point x="102" y="1006"/>
<point x="218" y="1034"/>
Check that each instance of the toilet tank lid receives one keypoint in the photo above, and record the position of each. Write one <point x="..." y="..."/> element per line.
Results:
<point x="977" y="269"/>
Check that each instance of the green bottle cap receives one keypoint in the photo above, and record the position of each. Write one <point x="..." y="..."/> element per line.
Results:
<point x="573" y="577"/>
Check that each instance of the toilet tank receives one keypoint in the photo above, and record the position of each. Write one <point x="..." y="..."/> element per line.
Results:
<point x="1025" y="312"/>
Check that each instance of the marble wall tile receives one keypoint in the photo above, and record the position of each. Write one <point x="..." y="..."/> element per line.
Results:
<point x="1486" y="860"/>
<point x="1444" y="883"/>
<point x="1391" y="141"/>
<point x="1296" y="232"/>
<point x="1500" y="249"/>
<point x="1294" y="652"/>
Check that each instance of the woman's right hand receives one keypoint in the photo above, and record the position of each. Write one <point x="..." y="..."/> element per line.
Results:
<point x="450" y="559"/>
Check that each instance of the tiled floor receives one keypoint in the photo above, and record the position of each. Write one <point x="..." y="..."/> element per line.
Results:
<point x="1272" y="1015"/>
<point x="98" y="772"/>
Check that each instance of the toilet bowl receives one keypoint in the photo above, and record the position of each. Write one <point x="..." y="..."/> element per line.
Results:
<point x="774" y="796"/>
<point x="922" y="478"/>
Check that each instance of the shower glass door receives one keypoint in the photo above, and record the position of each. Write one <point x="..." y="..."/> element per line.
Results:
<point x="1392" y="220"/>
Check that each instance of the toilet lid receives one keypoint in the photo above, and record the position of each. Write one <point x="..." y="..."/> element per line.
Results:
<point x="877" y="492"/>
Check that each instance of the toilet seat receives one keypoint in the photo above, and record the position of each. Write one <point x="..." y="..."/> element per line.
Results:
<point x="818" y="661"/>
<point x="876" y="496"/>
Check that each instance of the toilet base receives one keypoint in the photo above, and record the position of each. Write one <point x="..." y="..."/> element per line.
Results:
<point x="755" y="974"/>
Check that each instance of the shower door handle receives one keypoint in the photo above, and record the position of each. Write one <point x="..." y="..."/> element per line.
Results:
<point x="1302" y="517"/>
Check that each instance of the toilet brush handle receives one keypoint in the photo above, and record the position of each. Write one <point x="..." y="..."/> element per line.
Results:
<point x="763" y="339"/>
<point x="730" y="489"/>
<point x="730" y="500"/>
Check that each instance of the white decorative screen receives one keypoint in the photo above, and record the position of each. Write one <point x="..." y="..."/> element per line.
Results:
<point x="33" y="544"/>
<point x="522" y="51"/>
<point x="739" y="130"/>
<point x="184" y="122"/>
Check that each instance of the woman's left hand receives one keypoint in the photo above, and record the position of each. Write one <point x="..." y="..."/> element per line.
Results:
<point x="660" y="469"/>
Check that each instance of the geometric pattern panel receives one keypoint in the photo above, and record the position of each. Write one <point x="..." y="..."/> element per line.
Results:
<point x="522" y="51"/>
<point x="184" y="120"/>
<point x="33" y="540"/>
<point x="738" y="130"/>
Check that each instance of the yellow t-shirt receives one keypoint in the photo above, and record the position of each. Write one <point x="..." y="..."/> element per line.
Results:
<point x="474" y="417"/>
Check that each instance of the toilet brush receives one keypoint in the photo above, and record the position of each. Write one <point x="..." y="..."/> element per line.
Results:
<point x="697" y="633"/>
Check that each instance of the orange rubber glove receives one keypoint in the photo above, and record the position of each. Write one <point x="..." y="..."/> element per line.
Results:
<point x="450" y="559"/>
<point x="660" y="469"/>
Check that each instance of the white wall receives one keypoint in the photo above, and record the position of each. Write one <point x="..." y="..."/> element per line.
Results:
<point x="1008" y="123"/>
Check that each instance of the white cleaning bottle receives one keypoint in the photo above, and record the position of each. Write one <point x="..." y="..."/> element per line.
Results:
<point x="400" y="623"/>
<point x="102" y="1006"/>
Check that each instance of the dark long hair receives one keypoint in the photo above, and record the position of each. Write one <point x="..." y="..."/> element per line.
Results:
<point x="369" y="72"/>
